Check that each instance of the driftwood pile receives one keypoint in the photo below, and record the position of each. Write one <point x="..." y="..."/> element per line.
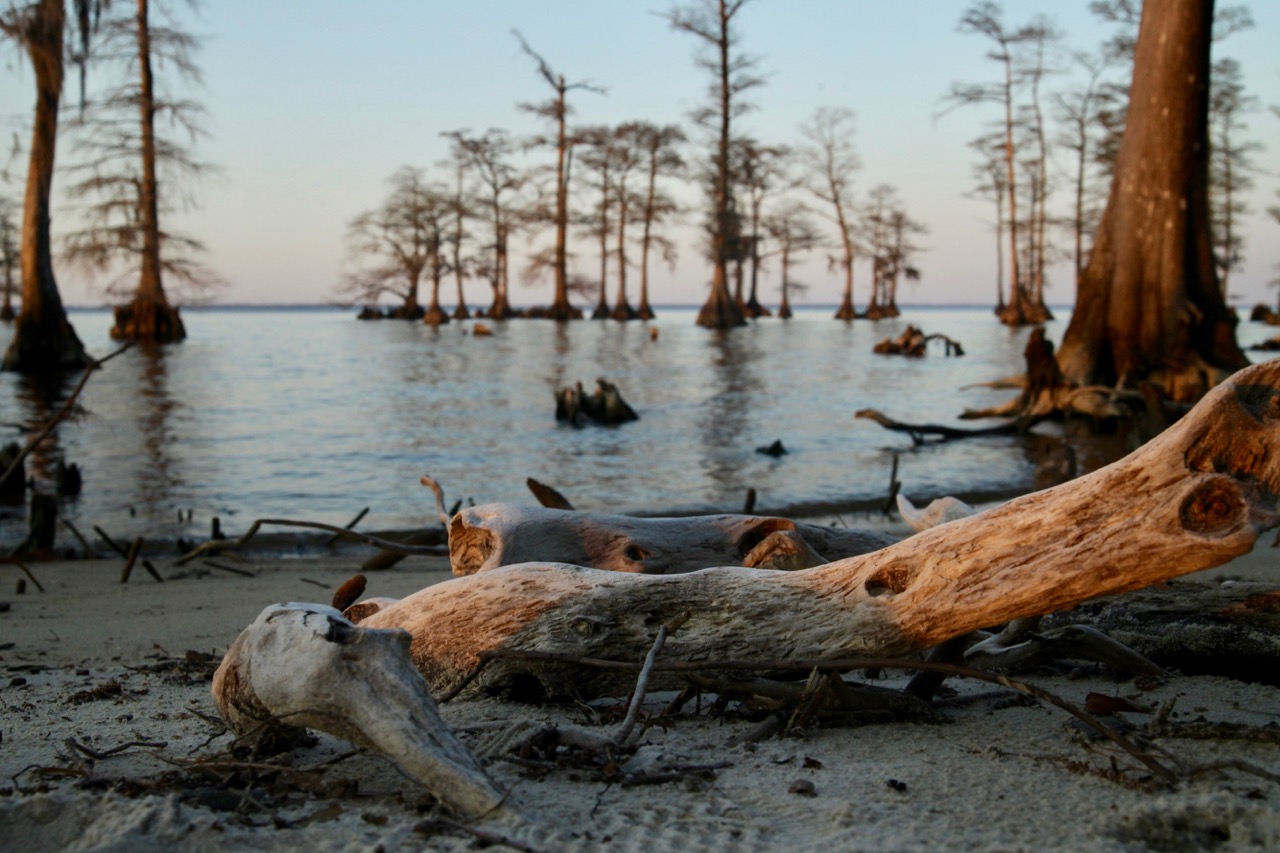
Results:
<point x="1197" y="496"/>
<point x="604" y="406"/>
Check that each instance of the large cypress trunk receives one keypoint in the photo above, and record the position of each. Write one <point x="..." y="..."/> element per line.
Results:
<point x="1149" y="306"/>
<point x="43" y="340"/>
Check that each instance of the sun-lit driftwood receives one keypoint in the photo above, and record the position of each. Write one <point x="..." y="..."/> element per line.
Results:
<point x="492" y="535"/>
<point x="303" y="665"/>
<point x="1195" y="497"/>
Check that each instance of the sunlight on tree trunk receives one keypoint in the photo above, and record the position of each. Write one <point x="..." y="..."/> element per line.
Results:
<point x="43" y="340"/>
<point x="1149" y="306"/>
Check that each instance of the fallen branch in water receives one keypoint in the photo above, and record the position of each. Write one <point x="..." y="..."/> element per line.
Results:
<point x="920" y="432"/>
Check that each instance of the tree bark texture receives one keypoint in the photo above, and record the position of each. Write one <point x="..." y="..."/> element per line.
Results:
<point x="1149" y="306"/>
<point x="1195" y="497"/>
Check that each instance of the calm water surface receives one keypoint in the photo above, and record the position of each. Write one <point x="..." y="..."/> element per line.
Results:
<point x="309" y="414"/>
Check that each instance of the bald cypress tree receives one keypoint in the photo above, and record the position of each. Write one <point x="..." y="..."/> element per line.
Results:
<point x="43" y="340"/>
<point x="1149" y="305"/>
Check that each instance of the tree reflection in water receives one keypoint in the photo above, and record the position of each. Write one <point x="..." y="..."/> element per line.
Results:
<point x="155" y="474"/>
<point x="725" y="418"/>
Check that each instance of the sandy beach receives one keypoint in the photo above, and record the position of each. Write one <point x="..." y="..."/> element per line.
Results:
<point x="111" y="742"/>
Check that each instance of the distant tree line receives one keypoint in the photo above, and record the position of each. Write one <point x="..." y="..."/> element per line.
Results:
<point x="611" y="193"/>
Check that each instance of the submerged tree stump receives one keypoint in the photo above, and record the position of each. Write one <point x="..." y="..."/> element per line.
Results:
<point x="148" y="320"/>
<point x="605" y="406"/>
<point x="915" y="344"/>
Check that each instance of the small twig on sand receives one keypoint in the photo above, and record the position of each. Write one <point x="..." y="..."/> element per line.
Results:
<point x="350" y="526"/>
<point x="215" y="546"/>
<point x="26" y="571"/>
<point x="130" y="559"/>
<point x="123" y="552"/>
<point x="895" y="486"/>
<point x="222" y="566"/>
<point x="84" y="543"/>
<point x="623" y="734"/>
<point x="98" y="755"/>
<point x="58" y="416"/>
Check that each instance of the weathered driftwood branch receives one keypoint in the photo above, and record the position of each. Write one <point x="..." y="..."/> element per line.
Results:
<point x="303" y="665"/>
<point x="1193" y="498"/>
<point x="492" y="535"/>
<point x="920" y="432"/>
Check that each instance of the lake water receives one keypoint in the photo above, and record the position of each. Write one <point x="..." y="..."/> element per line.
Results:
<point x="309" y="414"/>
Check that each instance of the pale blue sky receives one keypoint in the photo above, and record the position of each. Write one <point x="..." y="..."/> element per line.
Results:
<point x="313" y="103"/>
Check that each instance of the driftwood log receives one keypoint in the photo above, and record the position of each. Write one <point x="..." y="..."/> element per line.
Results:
<point x="304" y="665"/>
<point x="1195" y="497"/>
<point x="492" y="535"/>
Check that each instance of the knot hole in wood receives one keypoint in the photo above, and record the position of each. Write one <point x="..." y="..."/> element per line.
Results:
<point x="888" y="581"/>
<point x="1213" y="507"/>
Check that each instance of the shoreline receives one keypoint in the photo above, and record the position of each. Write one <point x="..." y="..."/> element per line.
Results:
<point x="92" y="664"/>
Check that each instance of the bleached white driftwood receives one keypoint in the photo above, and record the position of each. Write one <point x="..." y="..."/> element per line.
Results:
<point x="304" y="665"/>
<point x="938" y="512"/>
<point x="492" y="535"/>
<point x="1196" y="496"/>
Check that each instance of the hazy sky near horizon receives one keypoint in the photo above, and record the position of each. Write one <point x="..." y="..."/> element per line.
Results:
<point x="312" y="104"/>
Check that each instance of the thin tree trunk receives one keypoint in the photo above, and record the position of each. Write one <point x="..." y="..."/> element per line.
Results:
<point x="846" y="311"/>
<point x="560" y="308"/>
<point x="149" y="316"/>
<point x="784" y="309"/>
<point x="1014" y="311"/>
<point x="622" y="310"/>
<point x="644" y="311"/>
<point x="720" y="311"/>
<point x="601" y="311"/>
